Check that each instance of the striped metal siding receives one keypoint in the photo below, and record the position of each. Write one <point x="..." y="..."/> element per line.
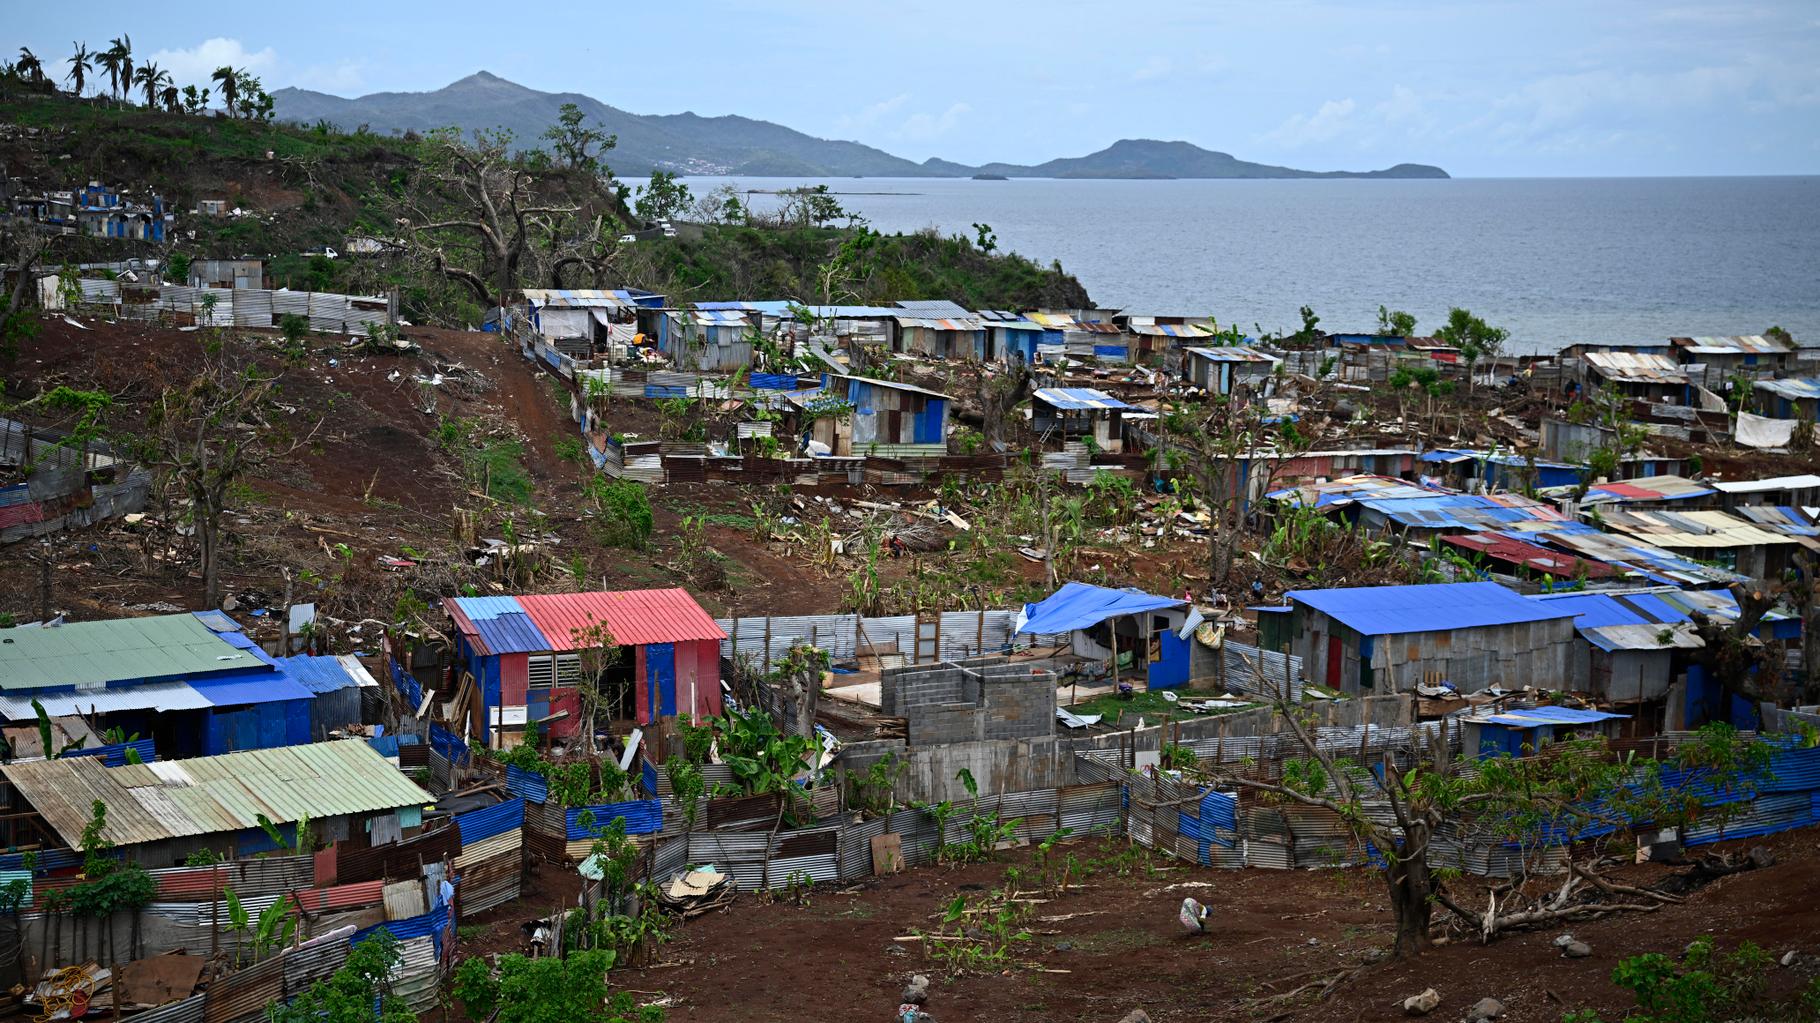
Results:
<point x="480" y="825"/>
<point x="855" y="848"/>
<point x="1092" y="809"/>
<point x="671" y="857"/>
<point x="315" y="959"/>
<point x="527" y="785"/>
<point x="187" y="1010"/>
<point x="643" y="817"/>
<point x="414" y="979"/>
<point x="490" y="882"/>
<point x="242" y="996"/>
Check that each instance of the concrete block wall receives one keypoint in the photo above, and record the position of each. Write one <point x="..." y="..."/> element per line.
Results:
<point x="1019" y="708"/>
<point x="936" y="724"/>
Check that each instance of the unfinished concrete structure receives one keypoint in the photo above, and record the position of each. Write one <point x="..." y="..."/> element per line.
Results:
<point x="971" y="701"/>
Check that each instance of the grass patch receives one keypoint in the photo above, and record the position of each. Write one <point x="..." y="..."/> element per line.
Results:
<point x="498" y="469"/>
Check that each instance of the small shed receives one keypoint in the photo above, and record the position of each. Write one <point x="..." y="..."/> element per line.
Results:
<point x="1637" y="375"/>
<point x="1013" y="337"/>
<point x="1520" y="731"/>
<point x="1070" y="412"/>
<point x="709" y="340"/>
<point x="1137" y="633"/>
<point x="577" y="321"/>
<point x="1794" y="398"/>
<point x="946" y="337"/>
<point x="881" y="417"/>
<point x="1219" y="370"/>
<point x="527" y="656"/>
<point x="1386" y="639"/>
<point x="1801" y="490"/>
<point x="244" y="272"/>
<point x="1750" y="354"/>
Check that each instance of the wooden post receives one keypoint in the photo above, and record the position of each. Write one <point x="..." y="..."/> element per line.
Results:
<point x="44" y="588"/>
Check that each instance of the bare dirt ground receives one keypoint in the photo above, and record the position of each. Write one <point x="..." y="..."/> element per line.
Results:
<point x="1117" y="945"/>
<point x="377" y="481"/>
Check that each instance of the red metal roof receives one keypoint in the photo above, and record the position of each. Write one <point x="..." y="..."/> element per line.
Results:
<point x="635" y="617"/>
<point x="1528" y="555"/>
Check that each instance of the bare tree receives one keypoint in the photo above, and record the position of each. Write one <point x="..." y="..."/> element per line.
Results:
<point x="208" y="435"/>
<point x="1233" y="452"/>
<point x="477" y="212"/>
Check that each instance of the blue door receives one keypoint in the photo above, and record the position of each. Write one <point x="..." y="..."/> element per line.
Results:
<point x="1171" y="669"/>
<point x="660" y="676"/>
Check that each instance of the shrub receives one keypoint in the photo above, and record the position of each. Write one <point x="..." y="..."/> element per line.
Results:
<point x="624" y="512"/>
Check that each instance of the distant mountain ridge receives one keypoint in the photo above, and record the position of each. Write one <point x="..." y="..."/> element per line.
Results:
<point x="691" y="144"/>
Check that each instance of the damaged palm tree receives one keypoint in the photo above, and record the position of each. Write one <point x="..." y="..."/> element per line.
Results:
<point x="798" y="679"/>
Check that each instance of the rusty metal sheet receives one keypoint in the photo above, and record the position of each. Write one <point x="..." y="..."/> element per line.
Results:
<point x="156" y="980"/>
<point x="400" y="859"/>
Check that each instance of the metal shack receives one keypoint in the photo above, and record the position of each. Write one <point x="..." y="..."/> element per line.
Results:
<point x="1386" y="639"/>
<point x="193" y="683"/>
<point x="1065" y="413"/>
<point x="1014" y="337"/>
<point x="1219" y="370"/>
<point x="160" y="813"/>
<point x="527" y="656"/>
<point x="1520" y="731"/>
<point x="881" y="417"/>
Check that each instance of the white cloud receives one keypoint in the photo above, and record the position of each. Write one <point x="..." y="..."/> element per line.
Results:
<point x="193" y="66"/>
<point x="344" y="78"/>
<point x="871" y="115"/>
<point x="1155" y="67"/>
<point x="1323" y="125"/>
<point x="923" y="127"/>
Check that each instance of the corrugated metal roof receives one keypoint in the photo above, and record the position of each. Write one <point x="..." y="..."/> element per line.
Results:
<point x="1231" y="353"/>
<point x="212" y="795"/>
<point x="1735" y="344"/>
<point x="232" y="692"/>
<point x="1386" y="610"/>
<point x="938" y="308"/>
<point x="1794" y="388"/>
<point x="1528" y="555"/>
<point x="892" y="384"/>
<point x="1077" y="398"/>
<point x="1638" y="556"/>
<point x="496" y="625"/>
<point x="946" y="323"/>
<point x="1649" y="488"/>
<point x="119" y="650"/>
<point x="318" y="674"/>
<point x="1803" y="482"/>
<point x="1698" y="529"/>
<point x="1636" y="367"/>
<point x="576" y="298"/>
<point x="1643" y="637"/>
<point x="635" y="617"/>
<point x="150" y="696"/>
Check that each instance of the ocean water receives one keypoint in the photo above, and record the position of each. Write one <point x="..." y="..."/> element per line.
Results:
<point x="1553" y="260"/>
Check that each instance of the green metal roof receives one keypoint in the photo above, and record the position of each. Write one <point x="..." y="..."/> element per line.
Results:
<point x="213" y="795"/>
<point x="96" y="653"/>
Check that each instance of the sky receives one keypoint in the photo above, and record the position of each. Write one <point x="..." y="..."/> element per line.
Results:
<point x="1539" y="88"/>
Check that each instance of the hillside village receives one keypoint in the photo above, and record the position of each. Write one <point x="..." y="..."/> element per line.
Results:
<point x="937" y="661"/>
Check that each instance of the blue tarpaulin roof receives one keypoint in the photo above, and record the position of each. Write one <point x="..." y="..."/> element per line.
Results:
<point x="1079" y="605"/>
<point x="1533" y="717"/>
<point x="231" y="692"/>
<point x="1387" y="610"/>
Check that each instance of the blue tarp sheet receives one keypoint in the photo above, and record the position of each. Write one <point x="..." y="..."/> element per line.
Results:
<point x="236" y="690"/>
<point x="1079" y="605"/>
<point x="1389" y="610"/>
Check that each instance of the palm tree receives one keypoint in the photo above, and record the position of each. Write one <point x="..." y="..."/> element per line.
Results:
<point x="169" y="96"/>
<point x="29" y="68"/>
<point x="151" y="79"/>
<point x="125" y="43"/>
<point x="113" y="59"/>
<point x="79" y="68"/>
<point x="229" y="80"/>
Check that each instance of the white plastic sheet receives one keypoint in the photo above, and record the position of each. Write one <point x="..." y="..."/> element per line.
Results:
<point x="1760" y="432"/>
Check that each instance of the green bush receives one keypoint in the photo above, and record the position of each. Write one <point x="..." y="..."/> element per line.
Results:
<point x="624" y="512"/>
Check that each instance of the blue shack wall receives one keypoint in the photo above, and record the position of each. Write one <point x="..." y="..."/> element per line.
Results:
<point x="257" y="726"/>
